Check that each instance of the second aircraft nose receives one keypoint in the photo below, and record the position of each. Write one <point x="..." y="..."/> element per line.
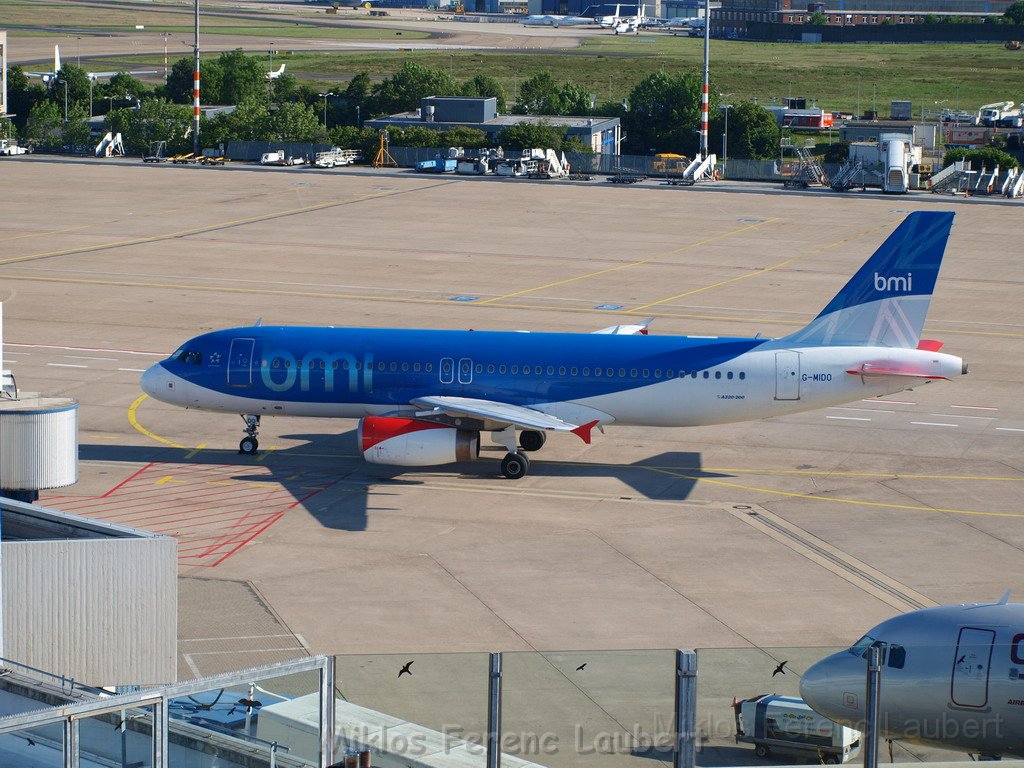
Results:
<point x="834" y="687"/>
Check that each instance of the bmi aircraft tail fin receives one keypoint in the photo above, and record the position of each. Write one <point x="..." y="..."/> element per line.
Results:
<point x="886" y="302"/>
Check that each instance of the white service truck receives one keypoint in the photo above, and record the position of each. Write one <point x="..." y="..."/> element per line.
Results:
<point x="787" y="725"/>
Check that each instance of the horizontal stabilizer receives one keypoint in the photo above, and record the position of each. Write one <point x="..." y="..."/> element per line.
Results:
<point x="632" y="329"/>
<point x="873" y="370"/>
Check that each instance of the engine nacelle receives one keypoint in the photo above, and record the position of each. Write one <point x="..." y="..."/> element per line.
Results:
<point x="413" y="443"/>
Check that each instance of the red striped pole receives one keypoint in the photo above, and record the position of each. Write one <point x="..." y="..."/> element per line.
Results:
<point x="704" y="90"/>
<point x="704" y="120"/>
<point x="195" y="91"/>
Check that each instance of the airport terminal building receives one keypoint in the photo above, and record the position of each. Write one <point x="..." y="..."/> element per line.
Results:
<point x="748" y="18"/>
<point x="602" y="134"/>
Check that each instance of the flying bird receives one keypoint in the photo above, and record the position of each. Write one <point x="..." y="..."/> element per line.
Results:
<point x="779" y="669"/>
<point x="250" y="704"/>
<point x="581" y="666"/>
<point x="405" y="670"/>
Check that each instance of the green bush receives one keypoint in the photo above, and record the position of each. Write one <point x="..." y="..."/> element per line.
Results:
<point x="989" y="157"/>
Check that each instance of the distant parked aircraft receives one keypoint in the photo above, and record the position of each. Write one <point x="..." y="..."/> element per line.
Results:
<point x="550" y="20"/>
<point x="49" y="77"/>
<point x="276" y="73"/>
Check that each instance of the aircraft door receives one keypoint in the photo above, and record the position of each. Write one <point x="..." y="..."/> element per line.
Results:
<point x="240" y="362"/>
<point x="446" y="370"/>
<point x="971" y="662"/>
<point x="465" y="371"/>
<point x="787" y="376"/>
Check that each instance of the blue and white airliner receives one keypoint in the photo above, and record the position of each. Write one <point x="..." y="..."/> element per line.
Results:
<point x="423" y="397"/>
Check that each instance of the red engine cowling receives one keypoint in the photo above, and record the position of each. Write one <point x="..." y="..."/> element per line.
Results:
<point x="413" y="443"/>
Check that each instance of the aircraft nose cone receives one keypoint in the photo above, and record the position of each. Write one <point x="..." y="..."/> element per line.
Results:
<point x="834" y="687"/>
<point x="154" y="381"/>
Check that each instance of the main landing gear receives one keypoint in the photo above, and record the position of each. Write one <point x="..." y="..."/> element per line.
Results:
<point x="516" y="465"/>
<point x="250" y="444"/>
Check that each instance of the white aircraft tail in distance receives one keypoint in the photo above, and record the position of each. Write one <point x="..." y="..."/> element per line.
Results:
<point x="273" y="75"/>
<point x="425" y="397"/>
<point x="607" y="22"/>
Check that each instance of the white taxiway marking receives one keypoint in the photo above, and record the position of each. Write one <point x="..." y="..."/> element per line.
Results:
<point x="976" y="407"/>
<point x="133" y="370"/>
<point x="1009" y="429"/>
<point x="82" y="349"/>
<point x="848" y="418"/>
<point x="67" y="365"/>
<point x="86" y="357"/>
<point x="958" y="416"/>
<point x="891" y="402"/>
<point x="866" y="410"/>
<point x="933" y="424"/>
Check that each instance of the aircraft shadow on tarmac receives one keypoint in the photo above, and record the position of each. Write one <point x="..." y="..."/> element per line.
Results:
<point x="330" y="480"/>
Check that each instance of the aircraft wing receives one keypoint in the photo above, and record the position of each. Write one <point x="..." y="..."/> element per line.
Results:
<point x="517" y="415"/>
<point x="94" y="75"/>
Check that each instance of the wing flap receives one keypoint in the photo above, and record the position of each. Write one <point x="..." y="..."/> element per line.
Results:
<point x="517" y="415"/>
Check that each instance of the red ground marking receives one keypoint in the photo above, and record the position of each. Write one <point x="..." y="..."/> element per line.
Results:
<point x="211" y="521"/>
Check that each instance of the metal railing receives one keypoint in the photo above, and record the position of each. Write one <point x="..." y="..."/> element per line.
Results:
<point x="155" y="729"/>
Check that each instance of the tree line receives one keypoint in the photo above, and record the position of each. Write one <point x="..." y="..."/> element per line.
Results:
<point x="660" y="114"/>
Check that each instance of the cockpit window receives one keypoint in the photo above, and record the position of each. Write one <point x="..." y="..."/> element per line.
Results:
<point x="860" y="648"/>
<point x="188" y="356"/>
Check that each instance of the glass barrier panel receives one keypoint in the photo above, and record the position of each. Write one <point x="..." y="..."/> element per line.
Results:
<point x="41" y="747"/>
<point x="413" y="706"/>
<point x="589" y="708"/>
<point x="266" y="720"/>
<point x="739" y="676"/>
<point x="122" y="738"/>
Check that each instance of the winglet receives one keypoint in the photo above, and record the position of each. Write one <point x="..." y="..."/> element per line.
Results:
<point x="1005" y="598"/>
<point x="583" y="431"/>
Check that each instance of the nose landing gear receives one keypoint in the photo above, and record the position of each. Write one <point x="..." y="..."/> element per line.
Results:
<point x="250" y="444"/>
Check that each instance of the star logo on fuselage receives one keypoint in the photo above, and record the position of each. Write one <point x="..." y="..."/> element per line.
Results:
<point x="215" y="358"/>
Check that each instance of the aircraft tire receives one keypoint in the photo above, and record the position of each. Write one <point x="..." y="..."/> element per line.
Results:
<point x="248" y="446"/>
<point x="532" y="440"/>
<point x="762" y="751"/>
<point x="515" y="466"/>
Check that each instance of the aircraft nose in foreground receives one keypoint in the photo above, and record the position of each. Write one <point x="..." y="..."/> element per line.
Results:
<point x="154" y="381"/>
<point x="834" y="687"/>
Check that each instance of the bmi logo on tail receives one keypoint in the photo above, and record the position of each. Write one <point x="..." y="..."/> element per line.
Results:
<point x="889" y="284"/>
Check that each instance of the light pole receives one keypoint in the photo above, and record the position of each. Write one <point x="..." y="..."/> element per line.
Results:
<point x="92" y="81"/>
<point x="270" y="78"/>
<point x="166" y="35"/>
<point x="359" y="119"/>
<point x="78" y="52"/>
<point x="725" y="140"/>
<point x="324" y="97"/>
<point x="195" y="90"/>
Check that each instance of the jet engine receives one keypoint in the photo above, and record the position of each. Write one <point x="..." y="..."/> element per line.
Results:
<point x="413" y="443"/>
